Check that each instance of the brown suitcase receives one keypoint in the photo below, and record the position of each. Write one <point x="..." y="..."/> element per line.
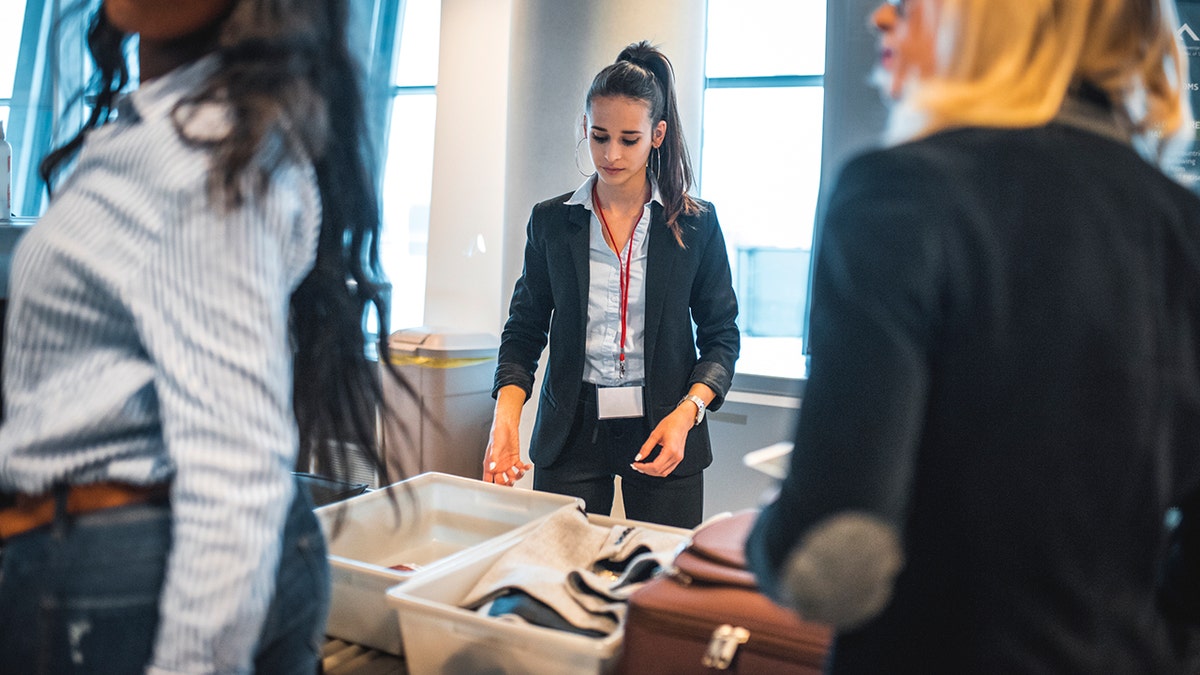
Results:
<point x="707" y="615"/>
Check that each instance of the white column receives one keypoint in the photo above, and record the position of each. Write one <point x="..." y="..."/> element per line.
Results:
<point x="465" y="211"/>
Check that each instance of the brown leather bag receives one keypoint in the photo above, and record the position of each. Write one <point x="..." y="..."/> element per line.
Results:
<point x="707" y="615"/>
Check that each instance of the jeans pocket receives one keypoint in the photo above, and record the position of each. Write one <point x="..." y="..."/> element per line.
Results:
<point x="86" y="602"/>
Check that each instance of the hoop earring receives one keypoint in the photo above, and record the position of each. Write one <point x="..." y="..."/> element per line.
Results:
<point x="577" y="165"/>
<point x="656" y="159"/>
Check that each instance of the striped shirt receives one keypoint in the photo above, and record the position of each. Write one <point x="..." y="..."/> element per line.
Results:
<point x="601" y="365"/>
<point x="147" y="341"/>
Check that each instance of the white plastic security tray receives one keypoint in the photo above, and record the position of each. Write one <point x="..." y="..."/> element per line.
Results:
<point x="434" y="517"/>
<point x="442" y="638"/>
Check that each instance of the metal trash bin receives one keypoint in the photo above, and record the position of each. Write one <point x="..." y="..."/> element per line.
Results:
<point x="443" y="424"/>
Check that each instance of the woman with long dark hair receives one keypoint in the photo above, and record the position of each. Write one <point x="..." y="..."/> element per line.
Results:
<point x="185" y="330"/>
<point x="615" y="276"/>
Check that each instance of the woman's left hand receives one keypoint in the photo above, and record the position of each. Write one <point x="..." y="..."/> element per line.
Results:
<point x="671" y="433"/>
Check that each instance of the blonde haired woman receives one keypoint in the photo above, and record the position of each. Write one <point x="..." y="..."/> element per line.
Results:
<point x="1004" y="398"/>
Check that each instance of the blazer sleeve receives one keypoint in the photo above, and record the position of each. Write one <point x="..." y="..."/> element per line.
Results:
<point x="714" y="310"/>
<point x="526" y="330"/>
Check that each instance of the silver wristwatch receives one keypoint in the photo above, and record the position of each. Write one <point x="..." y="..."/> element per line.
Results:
<point x="700" y="406"/>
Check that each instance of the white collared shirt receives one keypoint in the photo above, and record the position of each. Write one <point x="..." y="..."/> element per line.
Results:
<point x="603" y="348"/>
<point x="147" y="341"/>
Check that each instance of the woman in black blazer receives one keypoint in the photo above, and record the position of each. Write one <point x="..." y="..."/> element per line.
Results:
<point x="1003" y="403"/>
<point x="615" y="275"/>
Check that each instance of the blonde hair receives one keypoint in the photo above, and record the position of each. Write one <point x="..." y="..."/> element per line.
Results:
<point x="1009" y="63"/>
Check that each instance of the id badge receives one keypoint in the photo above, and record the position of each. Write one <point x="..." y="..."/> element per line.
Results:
<point x="618" y="402"/>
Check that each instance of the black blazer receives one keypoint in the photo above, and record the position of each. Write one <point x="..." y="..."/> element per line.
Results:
<point x="550" y="302"/>
<point x="1005" y="332"/>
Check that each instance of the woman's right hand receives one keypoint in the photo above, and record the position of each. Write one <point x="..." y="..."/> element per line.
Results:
<point x="502" y="463"/>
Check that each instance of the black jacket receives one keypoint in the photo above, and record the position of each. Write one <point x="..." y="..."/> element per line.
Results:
<point x="682" y="285"/>
<point x="1005" y="344"/>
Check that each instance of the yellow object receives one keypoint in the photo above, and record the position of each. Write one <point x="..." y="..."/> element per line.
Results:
<point x="434" y="361"/>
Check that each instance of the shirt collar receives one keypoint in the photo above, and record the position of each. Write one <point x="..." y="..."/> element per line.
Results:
<point x="583" y="195"/>
<point x="158" y="97"/>
<point x="1089" y="112"/>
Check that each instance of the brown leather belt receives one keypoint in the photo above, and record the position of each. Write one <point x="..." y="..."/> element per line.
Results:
<point x="29" y="512"/>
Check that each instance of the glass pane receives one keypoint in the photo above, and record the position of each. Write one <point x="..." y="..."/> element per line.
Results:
<point x="757" y="168"/>
<point x="407" y="186"/>
<point x="417" y="56"/>
<point x="763" y="179"/>
<point x="10" y="44"/>
<point x="748" y="38"/>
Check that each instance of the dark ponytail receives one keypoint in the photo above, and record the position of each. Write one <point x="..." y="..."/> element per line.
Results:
<point x="644" y="73"/>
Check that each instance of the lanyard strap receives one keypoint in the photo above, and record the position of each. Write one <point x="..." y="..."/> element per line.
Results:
<point x="626" y="269"/>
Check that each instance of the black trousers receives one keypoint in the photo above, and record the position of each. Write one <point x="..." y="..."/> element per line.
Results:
<point x="599" y="450"/>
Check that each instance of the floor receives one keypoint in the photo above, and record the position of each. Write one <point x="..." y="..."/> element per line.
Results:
<point x="344" y="658"/>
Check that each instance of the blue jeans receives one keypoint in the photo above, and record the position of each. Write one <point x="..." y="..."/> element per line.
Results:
<point x="81" y="595"/>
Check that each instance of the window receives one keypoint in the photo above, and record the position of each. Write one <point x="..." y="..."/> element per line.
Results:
<point x="10" y="43"/>
<point x="760" y="164"/>
<point x="43" y="65"/>
<point x="408" y="166"/>
<point x="26" y="104"/>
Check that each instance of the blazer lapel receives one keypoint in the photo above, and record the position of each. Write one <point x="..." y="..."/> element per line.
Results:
<point x="660" y="265"/>
<point x="578" y="242"/>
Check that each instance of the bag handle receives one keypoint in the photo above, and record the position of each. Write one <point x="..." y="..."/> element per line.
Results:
<point x="716" y="553"/>
<point x="724" y="540"/>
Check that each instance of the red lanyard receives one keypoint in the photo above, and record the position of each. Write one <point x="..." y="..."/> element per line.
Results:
<point x="626" y="269"/>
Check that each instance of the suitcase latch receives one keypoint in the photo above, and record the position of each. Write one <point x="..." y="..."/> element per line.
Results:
<point x="724" y="645"/>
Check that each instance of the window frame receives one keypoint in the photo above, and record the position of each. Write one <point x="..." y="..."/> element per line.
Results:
<point x="764" y="355"/>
